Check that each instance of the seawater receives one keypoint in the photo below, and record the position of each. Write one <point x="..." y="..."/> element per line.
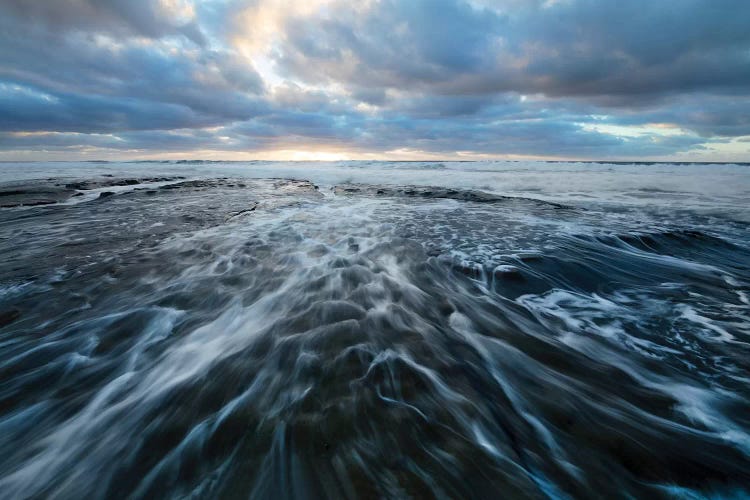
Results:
<point x="375" y="329"/>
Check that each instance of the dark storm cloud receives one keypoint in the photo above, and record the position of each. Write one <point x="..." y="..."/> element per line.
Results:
<point x="396" y="43"/>
<point x="28" y="109"/>
<point x="565" y="48"/>
<point x="520" y="77"/>
<point x="117" y="17"/>
<point x="74" y="82"/>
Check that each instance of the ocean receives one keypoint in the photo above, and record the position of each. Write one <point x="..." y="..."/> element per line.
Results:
<point x="374" y="329"/>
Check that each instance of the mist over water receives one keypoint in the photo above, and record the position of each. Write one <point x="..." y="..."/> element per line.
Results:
<point x="399" y="330"/>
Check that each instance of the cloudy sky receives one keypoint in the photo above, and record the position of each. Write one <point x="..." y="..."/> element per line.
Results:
<point x="390" y="79"/>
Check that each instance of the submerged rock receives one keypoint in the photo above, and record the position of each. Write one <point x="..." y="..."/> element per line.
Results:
<point x="111" y="182"/>
<point x="8" y="317"/>
<point x="434" y="192"/>
<point x="25" y="195"/>
<point x="51" y="191"/>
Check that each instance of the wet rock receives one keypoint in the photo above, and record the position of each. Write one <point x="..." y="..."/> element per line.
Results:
<point x="106" y="194"/>
<point x="445" y="307"/>
<point x="112" y="182"/>
<point x="193" y="184"/>
<point x="473" y="271"/>
<point x="8" y="317"/>
<point x="507" y="273"/>
<point x="18" y="195"/>
<point x="530" y="257"/>
<point x="129" y="182"/>
<point x="241" y="212"/>
<point x="433" y="192"/>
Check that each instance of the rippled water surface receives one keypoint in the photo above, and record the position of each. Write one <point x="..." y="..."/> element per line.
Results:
<point x="398" y="330"/>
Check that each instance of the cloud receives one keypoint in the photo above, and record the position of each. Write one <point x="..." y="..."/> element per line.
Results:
<point x="566" y="78"/>
<point x="147" y="18"/>
<point x="92" y="83"/>
<point x="577" y="48"/>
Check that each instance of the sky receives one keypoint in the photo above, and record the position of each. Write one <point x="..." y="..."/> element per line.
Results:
<point x="375" y="79"/>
